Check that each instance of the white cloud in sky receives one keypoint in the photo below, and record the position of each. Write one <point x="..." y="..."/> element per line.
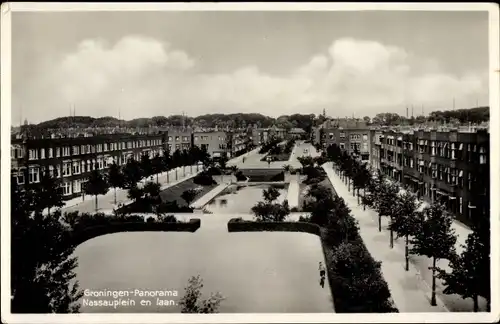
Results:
<point x="358" y="76"/>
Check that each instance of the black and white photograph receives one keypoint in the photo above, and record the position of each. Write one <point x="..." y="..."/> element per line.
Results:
<point x="270" y="160"/>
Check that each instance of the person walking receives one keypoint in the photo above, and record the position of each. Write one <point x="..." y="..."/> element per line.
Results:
<point x="322" y="270"/>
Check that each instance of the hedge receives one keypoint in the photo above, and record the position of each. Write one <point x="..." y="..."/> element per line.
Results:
<point x="239" y="225"/>
<point x="115" y="227"/>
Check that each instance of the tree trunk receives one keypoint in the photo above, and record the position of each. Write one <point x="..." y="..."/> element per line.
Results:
<point x="115" y="195"/>
<point x="392" y="233"/>
<point x="380" y="223"/>
<point x="176" y="169"/>
<point x="407" y="257"/>
<point x="168" y="177"/>
<point x="96" y="203"/>
<point x="433" y="297"/>
<point x="157" y="178"/>
<point x="476" y="303"/>
<point x="191" y="168"/>
<point x="184" y="170"/>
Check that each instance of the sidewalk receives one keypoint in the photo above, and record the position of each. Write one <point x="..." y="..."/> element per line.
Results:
<point x="408" y="290"/>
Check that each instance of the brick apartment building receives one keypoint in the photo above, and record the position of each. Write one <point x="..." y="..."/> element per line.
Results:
<point x="216" y="142"/>
<point x="349" y="134"/>
<point x="179" y="139"/>
<point x="71" y="159"/>
<point x="448" y="166"/>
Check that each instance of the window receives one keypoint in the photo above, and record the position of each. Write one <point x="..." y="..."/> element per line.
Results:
<point x="58" y="171"/>
<point x="342" y="146"/>
<point x="433" y="148"/>
<point x="34" y="175"/>
<point x="33" y="154"/>
<point x="482" y="155"/>
<point x="365" y="146"/>
<point x="105" y="147"/>
<point x="89" y="165"/>
<point x="469" y="181"/>
<point x="365" y="137"/>
<point x="460" y="204"/>
<point x="82" y="166"/>
<point x="77" y="186"/>
<point x="434" y="169"/>
<point x="42" y="153"/>
<point x="100" y="163"/>
<point x="178" y="146"/>
<point x="20" y="177"/>
<point x="170" y="147"/>
<point x="196" y="138"/>
<point x="76" y="150"/>
<point x="99" y="148"/>
<point x="66" y="169"/>
<point x="342" y="135"/>
<point x="331" y="136"/>
<point x="411" y="163"/>
<point x="66" y="151"/>
<point x="51" y="170"/>
<point x="76" y="167"/>
<point x="66" y="188"/>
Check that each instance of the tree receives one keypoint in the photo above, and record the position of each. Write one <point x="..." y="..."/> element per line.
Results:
<point x="146" y="166"/>
<point x="132" y="173"/>
<point x="42" y="265"/>
<point x="191" y="302"/>
<point x="361" y="178"/>
<point x="269" y="210"/>
<point x="115" y="177"/>
<point x="96" y="185"/>
<point x="386" y="195"/>
<point x="47" y="194"/>
<point x="435" y="239"/>
<point x="177" y="161"/>
<point x="470" y="275"/>
<point x="188" y="196"/>
<point x="270" y="194"/>
<point x="287" y="168"/>
<point x="135" y="193"/>
<point x="223" y="162"/>
<point x="166" y="163"/>
<point x="152" y="197"/>
<point x="157" y="165"/>
<point x="406" y="221"/>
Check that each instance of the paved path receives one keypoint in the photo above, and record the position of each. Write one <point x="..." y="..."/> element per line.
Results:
<point x="410" y="289"/>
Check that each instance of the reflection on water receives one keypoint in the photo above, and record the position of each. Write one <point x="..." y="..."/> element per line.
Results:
<point x="241" y="199"/>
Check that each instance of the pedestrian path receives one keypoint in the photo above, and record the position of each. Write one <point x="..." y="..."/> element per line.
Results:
<point x="409" y="291"/>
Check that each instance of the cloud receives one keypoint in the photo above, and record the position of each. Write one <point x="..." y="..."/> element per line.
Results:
<point x="142" y="77"/>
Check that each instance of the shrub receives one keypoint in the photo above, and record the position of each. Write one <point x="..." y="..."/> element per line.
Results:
<point x="358" y="281"/>
<point x="294" y="210"/>
<point x="173" y="207"/>
<point x="305" y="219"/>
<point x="204" y="179"/>
<point x="150" y="220"/>
<point x="240" y="225"/>
<point x="240" y="177"/>
<point x="167" y="219"/>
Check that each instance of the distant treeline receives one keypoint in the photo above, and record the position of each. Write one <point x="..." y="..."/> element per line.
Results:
<point x="237" y="120"/>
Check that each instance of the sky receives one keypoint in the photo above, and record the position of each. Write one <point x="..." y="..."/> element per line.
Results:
<point x="144" y="64"/>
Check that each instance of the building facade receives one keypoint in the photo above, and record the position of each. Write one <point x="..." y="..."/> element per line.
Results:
<point x="354" y="141"/>
<point x="179" y="139"/>
<point x="215" y="142"/>
<point x="71" y="159"/>
<point x="447" y="166"/>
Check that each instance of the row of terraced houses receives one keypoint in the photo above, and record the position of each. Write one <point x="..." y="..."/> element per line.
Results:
<point x="450" y="165"/>
<point x="71" y="157"/>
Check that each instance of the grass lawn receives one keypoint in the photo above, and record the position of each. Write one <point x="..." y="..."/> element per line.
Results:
<point x="278" y="157"/>
<point x="175" y="192"/>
